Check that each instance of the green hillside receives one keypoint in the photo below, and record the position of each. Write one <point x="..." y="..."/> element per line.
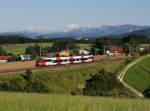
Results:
<point x="48" y="102"/>
<point x="139" y="75"/>
<point x="68" y="78"/>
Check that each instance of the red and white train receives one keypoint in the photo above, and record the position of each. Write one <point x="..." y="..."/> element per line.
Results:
<point x="52" y="61"/>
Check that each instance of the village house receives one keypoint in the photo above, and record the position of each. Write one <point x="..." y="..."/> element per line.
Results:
<point x="4" y="59"/>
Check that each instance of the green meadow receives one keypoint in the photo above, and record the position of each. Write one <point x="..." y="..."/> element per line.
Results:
<point x="139" y="75"/>
<point x="20" y="48"/>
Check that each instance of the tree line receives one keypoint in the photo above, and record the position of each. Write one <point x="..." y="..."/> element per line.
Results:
<point x="130" y="43"/>
<point x="98" y="45"/>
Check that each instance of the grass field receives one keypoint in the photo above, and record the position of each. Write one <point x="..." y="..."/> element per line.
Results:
<point x="84" y="46"/>
<point x="48" y="102"/>
<point x="20" y="48"/>
<point x="139" y="75"/>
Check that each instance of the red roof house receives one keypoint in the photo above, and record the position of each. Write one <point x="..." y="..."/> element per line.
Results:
<point x="4" y="59"/>
<point x="117" y="49"/>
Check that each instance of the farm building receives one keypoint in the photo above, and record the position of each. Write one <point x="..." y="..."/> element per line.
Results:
<point x="25" y="57"/>
<point x="50" y="55"/>
<point x="4" y="59"/>
<point x="65" y="53"/>
<point x="113" y="50"/>
<point x="116" y="49"/>
<point x="84" y="52"/>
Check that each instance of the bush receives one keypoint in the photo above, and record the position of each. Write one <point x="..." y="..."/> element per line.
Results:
<point x="37" y="85"/>
<point x="26" y="83"/>
<point x="101" y="84"/>
<point x="127" y="61"/>
<point x="19" y="83"/>
<point x="147" y="92"/>
<point x="34" y="85"/>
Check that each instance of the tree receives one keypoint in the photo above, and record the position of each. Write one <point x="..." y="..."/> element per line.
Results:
<point x="33" y="84"/>
<point x="37" y="49"/>
<point x="101" y="84"/>
<point x="2" y="52"/>
<point x="101" y="43"/>
<point x="93" y="49"/>
<point x="147" y="92"/>
<point x="47" y="50"/>
<point x="64" y="45"/>
<point x="134" y="41"/>
<point x="28" y="76"/>
<point x="34" y="50"/>
<point x="30" y="50"/>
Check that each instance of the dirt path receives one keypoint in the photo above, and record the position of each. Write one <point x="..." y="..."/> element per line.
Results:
<point x="17" y="65"/>
<point x="121" y="75"/>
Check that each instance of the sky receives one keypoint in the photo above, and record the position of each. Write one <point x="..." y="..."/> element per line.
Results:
<point x="62" y="15"/>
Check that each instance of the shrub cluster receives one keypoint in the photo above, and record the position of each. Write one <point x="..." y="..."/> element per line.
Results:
<point x="103" y="84"/>
<point x="147" y="92"/>
<point x="25" y="83"/>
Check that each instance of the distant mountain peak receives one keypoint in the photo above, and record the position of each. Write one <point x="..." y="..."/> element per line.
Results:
<point x="84" y="32"/>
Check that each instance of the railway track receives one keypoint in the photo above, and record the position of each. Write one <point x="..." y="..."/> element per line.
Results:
<point x="13" y="71"/>
<point x="38" y="68"/>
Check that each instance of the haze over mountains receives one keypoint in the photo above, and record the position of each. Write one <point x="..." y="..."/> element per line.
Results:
<point x="87" y="32"/>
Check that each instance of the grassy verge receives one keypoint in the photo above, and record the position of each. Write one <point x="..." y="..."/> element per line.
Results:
<point x="138" y="76"/>
<point x="47" y="102"/>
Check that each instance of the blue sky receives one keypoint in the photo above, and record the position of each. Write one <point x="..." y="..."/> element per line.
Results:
<point x="56" y="15"/>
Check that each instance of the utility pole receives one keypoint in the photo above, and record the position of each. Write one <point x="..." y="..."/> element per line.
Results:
<point x="104" y="50"/>
<point x="40" y="51"/>
<point x="130" y="48"/>
<point x="67" y="47"/>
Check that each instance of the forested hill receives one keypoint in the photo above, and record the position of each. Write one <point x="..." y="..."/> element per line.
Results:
<point x="16" y="39"/>
<point x="145" y="32"/>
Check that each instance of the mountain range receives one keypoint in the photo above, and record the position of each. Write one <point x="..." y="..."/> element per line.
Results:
<point x="87" y="32"/>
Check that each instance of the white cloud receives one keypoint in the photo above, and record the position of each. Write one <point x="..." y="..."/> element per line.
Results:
<point x="74" y="26"/>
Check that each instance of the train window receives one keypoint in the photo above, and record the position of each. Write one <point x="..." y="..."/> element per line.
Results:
<point x="77" y="59"/>
<point x="85" y="58"/>
<point x="64" y="60"/>
<point x="90" y="57"/>
<point x="49" y="60"/>
<point x="54" y="61"/>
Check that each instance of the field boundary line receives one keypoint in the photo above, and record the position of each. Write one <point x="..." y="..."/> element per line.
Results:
<point x="123" y="72"/>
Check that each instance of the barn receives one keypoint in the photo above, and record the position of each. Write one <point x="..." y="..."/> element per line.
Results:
<point x="4" y="59"/>
<point x="116" y="49"/>
<point x="84" y="52"/>
<point x="65" y="53"/>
